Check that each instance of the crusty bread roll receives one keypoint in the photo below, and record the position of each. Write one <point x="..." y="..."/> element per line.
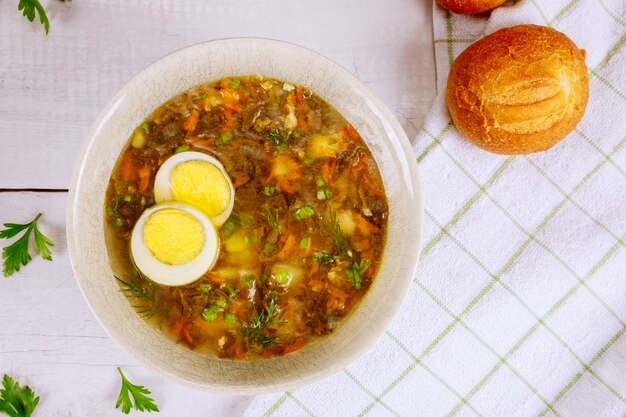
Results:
<point x="519" y="90"/>
<point x="469" y="6"/>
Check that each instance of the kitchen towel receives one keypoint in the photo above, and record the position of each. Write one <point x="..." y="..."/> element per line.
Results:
<point x="518" y="306"/>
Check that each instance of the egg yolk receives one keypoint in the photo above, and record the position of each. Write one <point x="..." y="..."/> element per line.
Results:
<point x="173" y="236"/>
<point x="202" y="184"/>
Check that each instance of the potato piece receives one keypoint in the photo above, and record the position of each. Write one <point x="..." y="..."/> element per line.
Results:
<point x="286" y="275"/>
<point x="346" y="222"/>
<point x="321" y="146"/>
<point x="236" y="243"/>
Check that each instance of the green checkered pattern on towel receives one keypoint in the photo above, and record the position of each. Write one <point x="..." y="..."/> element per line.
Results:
<point x="517" y="308"/>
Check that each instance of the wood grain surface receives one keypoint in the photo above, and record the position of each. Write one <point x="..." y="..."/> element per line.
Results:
<point x="52" y="88"/>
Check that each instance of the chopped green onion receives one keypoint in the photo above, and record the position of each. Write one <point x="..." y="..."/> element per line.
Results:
<point x="356" y="271"/>
<point x="117" y="222"/>
<point x="321" y="195"/>
<point x="303" y="212"/>
<point x="220" y="303"/>
<point x="268" y="190"/>
<point x="143" y="200"/>
<point x="182" y="148"/>
<point x="248" y="280"/>
<point x="200" y="97"/>
<point x="282" y="277"/>
<point x="235" y="83"/>
<point x="232" y="292"/>
<point x="205" y="287"/>
<point x="225" y="138"/>
<point x="268" y="248"/>
<point x="305" y="243"/>
<point x="210" y="314"/>
<point x="110" y="211"/>
<point x="250" y="239"/>
<point x="229" y="228"/>
<point x="296" y="133"/>
<point x="128" y="198"/>
<point x="328" y="193"/>
<point x="229" y="317"/>
<point x="264" y="277"/>
<point x="145" y="126"/>
<point x="319" y="181"/>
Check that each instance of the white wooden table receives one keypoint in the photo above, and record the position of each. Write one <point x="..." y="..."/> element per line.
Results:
<point x="51" y="89"/>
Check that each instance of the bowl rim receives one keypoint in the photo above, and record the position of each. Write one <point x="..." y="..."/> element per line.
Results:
<point x="385" y="114"/>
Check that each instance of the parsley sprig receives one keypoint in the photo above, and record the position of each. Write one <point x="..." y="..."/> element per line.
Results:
<point x="16" y="401"/>
<point x="17" y="253"/>
<point x="29" y="7"/>
<point x="139" y="394"/>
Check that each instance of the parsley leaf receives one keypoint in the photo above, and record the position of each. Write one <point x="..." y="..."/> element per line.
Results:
<point x="16" y="401"/>
<point x="17" y="254"/>
<point x="139" y="394"/>
<point x="29" y="7"/>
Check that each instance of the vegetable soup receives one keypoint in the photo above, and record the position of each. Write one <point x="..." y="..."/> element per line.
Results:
<point x="250" y="215"/>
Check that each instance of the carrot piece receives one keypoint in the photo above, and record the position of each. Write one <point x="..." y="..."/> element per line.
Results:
<point x="204" y="103"/>
<point x="362" y="244"/>
<point x="299" y="95"/>
<point x="329" y="170"/>
<point x="129" y="170"/>
<point x="337" y="293"/>
<point x="376" y="189"/>
<point x="296" y="345"/>
<point x="176" y="328"/>
<point x="316" y="285"/>
<point x="231" y="99"/>
<point x="350" y="132"/>
<point x="367" y="255"/>
<point x="288" y="248"/>
<point x="186" y="332"/>
<point x="238" y="350"/>
<point x="229" y="119"/>
<point x="365" y="225"/>
<point x="239" y="181"/>
<point x="204" y="143"/>
<point x="144" y="178"/>
<point x="267" y="353"/>
<point x="214" y="279"/>
<point x="191" y="121"/>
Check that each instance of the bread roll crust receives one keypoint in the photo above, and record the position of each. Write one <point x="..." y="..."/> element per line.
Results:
<point x="519" y="90"/>
<point x="469" y="6"/>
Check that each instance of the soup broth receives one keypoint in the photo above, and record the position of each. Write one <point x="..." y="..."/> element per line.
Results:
<point x="307" y="230"/>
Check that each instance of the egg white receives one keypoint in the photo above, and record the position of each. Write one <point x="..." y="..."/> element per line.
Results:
<point x="163" y="190"/>
<point x="174" y="275"/>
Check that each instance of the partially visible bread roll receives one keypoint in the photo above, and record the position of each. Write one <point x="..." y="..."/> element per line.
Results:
<point x="519" y="90"/>
<point x="469" y="6"/>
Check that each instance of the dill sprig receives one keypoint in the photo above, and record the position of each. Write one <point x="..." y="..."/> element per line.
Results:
<point x="324" y="257"/>
<point x="277" y="138"/>
<point x="138" y="288"/>
<point x="255" y="331"/>
<point x="332" y="229"/>
<point x="272" y="220"/>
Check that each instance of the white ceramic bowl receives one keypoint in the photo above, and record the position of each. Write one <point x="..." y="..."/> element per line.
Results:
<point x="178" y="72"/>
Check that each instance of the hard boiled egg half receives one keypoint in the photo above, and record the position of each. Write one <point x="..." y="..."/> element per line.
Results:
<point x="199" y="180"/>
<point x="174" y="243"/>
